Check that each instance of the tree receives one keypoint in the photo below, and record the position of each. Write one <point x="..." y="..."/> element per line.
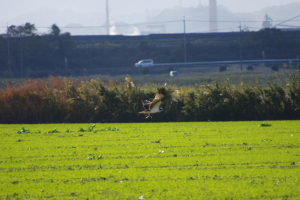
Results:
<point x="62" y="41"/>
<point x="274" y="42"/>
<point x="22" y="30"/>
<point x="55" y="30"/>
<point x="21" y="50"/>
<point x="60" y="44"/>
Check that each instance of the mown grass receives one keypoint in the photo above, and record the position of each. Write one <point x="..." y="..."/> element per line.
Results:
<point x="199" y="160"/>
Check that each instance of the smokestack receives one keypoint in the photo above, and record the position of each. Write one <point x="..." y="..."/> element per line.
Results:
<point x="213" y="18"/>
<point x="107" y="19"/>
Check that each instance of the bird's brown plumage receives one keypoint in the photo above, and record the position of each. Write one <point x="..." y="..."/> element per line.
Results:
<point x="160" y="96"/>
<point x="153" y="106"/>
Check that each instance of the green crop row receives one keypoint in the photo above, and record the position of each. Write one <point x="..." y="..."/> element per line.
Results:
<point x="194" y="160"/>
<point x="60" y="100"/>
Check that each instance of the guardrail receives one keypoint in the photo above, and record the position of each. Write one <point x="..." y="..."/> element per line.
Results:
<point x="229" y="62"/>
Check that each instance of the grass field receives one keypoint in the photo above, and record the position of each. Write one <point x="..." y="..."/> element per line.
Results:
<point x="186" y="78"/>
<point x="205" y="160"/>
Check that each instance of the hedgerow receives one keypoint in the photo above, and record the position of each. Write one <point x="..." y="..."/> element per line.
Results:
<point x="64" y="100"/>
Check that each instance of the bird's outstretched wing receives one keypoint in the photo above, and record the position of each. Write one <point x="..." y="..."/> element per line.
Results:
<point x="146" y="104"/>
<point x="159" y="98"/>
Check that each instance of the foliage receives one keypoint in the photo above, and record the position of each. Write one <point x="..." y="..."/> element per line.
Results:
<point x="40" y="52"/>
<point x="274" y="42"/>
<point x="225" y="102"/>
<point x="45" y="54"/>
<point x="194" y="160"/>
<point x="263" y="124"/>
<point x="7" y="74"/>
<point x="275" y="68"/>
<point x="63" y="43"/>
<point x="58" y="100"/>
<point x="145" y="71"/>
<point x="222" y="68"/>
<point x="23" y="30"/>
<point x="250" y="68"/>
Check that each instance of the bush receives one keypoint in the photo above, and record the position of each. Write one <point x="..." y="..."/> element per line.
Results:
<point x="40" y="74"/>
<point x="145" y="71"/>
<point x="275" y="68"/>
<point x="250" y="68"/>
<point x="170" y="69"/>
<point x="62" y="100"/>
<point x="28" y="72"/>
<point x="7" y="74"/>
<point x="222" y="68"/>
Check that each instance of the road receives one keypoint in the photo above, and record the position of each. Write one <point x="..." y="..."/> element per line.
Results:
<point x="229" y="62"/>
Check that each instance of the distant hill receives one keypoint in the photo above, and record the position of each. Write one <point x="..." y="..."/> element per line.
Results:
<point x="228" y="21"/>
<point x="196" y="20"/>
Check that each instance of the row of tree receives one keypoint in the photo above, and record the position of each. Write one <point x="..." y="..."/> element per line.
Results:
<point x="22" y="48"/>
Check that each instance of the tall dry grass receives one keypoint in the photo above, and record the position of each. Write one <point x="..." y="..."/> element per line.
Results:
<point x="61" y="100"/>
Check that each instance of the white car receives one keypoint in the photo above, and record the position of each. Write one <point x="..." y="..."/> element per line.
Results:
<point x="174" y="73"/>
<point x="144" y="63"/>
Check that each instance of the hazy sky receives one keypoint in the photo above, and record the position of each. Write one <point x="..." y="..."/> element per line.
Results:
<point x="21" y="11"/>
<point x="13" y="8"/>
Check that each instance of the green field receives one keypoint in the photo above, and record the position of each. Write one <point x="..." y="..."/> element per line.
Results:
<point x="200" y="160"/>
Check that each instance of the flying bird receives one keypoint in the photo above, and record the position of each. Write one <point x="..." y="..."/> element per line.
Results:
<point x="153" y="106"/>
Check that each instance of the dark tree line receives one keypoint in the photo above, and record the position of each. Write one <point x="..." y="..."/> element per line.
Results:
<point x="49" y="51"/>
<point x="33" y="51"/>
<point x="275" y="43"/>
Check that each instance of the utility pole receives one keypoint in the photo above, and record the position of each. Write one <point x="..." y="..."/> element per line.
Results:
<point x="66" y="60"/>
<point x="8" y="52"/>
<point x="241" y="58"/>
<point x="107" y="19"/>
<point x="213" y="16"/>
<point x="21" y="49"/>
<point x="184" y="39"/>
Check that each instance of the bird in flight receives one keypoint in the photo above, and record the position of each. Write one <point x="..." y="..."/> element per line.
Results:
<point x="153" y="106"/>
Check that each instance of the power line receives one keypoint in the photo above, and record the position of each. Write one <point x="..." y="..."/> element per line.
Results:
<point x="218" y="29"/>
<point x="166" y="22"/>
<point x="232" y="21"/>
<point x="290" y="26"/>
<point x="116" y="25"/>
<point x="254" y="27"/>
<point x="169" y="22"/>
<point x="287" y="20"/>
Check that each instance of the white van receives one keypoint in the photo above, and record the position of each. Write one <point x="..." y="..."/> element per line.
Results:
<point x="144" y="63"/>
<point x="174" y="73"/>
